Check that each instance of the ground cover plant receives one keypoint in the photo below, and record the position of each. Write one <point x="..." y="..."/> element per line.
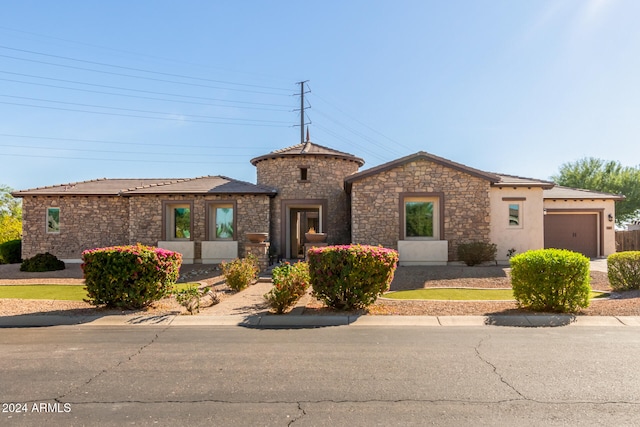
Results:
<point x="129" y="277"/>
<point x="351" y="276"/>
<point x="554" y="280"/>
<point x="290" y="282"/>
<point x="624" y="270"/>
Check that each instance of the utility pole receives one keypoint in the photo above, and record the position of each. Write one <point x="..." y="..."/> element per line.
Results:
<point x="302" y="108"/>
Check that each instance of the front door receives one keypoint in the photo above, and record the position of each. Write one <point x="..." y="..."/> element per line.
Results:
<point x="301" y="221"/>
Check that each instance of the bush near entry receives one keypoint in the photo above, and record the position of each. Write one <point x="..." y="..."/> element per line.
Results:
<point x="290" y="282"/>
<point x="352" y="276"/>
<point x="474" y="253"/>
<point x="554" y="280"/>
<point x="239" y="273"/>
<point x="624" y="270"/>
<point x="129" y="276"/>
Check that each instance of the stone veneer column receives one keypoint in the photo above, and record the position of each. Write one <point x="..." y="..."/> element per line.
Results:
<point x="260" y="251"/>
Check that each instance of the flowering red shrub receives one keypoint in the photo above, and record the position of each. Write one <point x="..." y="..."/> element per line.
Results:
<point x="129" y="276"/>
<point x="290" y="282"/>
<point x="352" y="276"/>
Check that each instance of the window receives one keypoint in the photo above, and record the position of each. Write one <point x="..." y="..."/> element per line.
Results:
<point x="221" y="221"/>
<point x="304" y="173"/>
<point x="53" y="220"/>
<point x="514" y="215"/>
<point x="421" y="218"/>
<point x="178" y="221"/>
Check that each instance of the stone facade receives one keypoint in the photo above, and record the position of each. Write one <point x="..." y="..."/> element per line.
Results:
<point x="375" y="204"/>
<point x="252" y="215"/>
<point x="86" y="222"/>
<point x="325" y="182"/>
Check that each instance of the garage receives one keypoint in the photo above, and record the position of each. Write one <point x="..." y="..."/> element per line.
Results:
<point x="576" y="232"/>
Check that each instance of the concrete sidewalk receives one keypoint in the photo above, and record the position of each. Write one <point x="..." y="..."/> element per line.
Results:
<point x="296" y="321"/>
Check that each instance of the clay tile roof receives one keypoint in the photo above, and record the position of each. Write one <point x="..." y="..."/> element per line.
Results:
<point x="203" y="185"/>
<point x="559" y="192"/>
<point x="421" y="155"/>
<point x="518" y="181"/>
<point x="308" y="149"/>
<point x="126" y="187"/>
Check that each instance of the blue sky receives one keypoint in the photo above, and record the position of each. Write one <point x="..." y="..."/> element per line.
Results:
<point x="123" y="89"/>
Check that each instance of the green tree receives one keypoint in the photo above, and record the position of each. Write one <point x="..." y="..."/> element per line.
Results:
<point x="10" y="215"/>
<point x="607" y="177"/>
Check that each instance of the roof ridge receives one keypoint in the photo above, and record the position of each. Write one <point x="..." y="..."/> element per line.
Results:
<point x="266" y="187"/>
<point x="523" y="177"/>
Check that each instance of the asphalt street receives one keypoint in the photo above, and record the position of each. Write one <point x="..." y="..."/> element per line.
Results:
<point x="232" y="376"/>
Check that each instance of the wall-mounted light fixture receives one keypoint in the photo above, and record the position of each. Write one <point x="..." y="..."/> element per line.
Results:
<point x="544" y="211"/>
<point x="610" y="217"/>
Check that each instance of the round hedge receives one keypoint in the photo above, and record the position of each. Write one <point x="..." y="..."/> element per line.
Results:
<point x="555" y="280"/>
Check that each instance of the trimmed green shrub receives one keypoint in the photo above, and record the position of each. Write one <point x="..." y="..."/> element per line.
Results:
<point x="624" y="270"/>
<point x="474" y="253"/>
<point x="554" y="280"/>
<point x="290" y="282"/>
<point x="240" y="272"/>
<point x="129" y="277"/>
<point x="42" y="262"/>
<point x="351" y="277"/>
<point x="11" y="252"/>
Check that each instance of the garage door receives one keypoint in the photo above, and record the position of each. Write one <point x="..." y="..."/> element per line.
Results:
<point x="575" y="232"/>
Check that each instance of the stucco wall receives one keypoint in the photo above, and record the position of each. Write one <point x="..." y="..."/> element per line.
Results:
<point x="583" y="205"/>
<point x="530" y="234"/>
<point x="375" y="204"/>
<point x="325" y="180"/>
<point x="85" y="223"/>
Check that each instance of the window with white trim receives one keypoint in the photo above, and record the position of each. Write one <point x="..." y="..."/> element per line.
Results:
<point x="53" y="220"/>
<point x="222" y="221"/>
<point x="421" y="218"/>
<point x="178" y="221"/>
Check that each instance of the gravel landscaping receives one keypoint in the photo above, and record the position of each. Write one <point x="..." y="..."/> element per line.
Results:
<point x="619" y="304"/>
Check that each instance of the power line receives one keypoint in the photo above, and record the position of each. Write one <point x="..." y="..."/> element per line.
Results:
<point x="143" y="91"/>
<point x="140" y="77"/>
<point x="137" y="111"/>
<point x="136" y="54"/>
<point x="179" y="119"/>
<point x="361" y="123"/>
<point x="121" y="142"/>
<point x="118" y="160"/>
<point x="140" y="70"/>
<point x="146" y="153"/>
<point x="142" y="97"/>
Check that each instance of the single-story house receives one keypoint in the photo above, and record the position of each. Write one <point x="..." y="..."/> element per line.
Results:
<point x="422" y="205"/>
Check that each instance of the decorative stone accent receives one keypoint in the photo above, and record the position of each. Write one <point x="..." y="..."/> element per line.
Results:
<point x="375" y="204"/>
<point x="325" y="181"/>
<point x="260" y="251"/>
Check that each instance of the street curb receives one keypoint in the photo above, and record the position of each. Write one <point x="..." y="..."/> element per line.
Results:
<point x="300" y="321"/>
